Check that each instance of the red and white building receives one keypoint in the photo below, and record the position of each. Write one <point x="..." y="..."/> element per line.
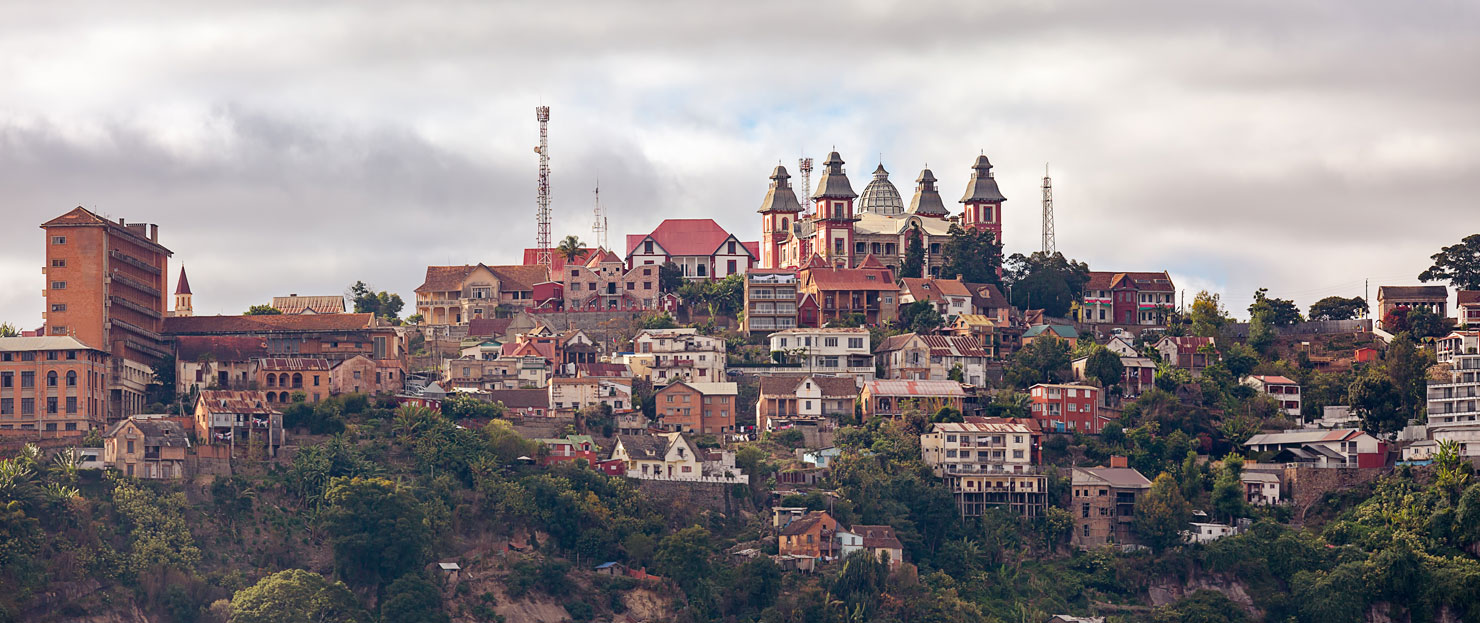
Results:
<point x="1067" y="408"/>
<point x="699" y="246"/>
<point x="1127" y="298"/>
<point x="1281" y="388"/>
<point x="1468" y="304"/>
<point x="1188" y="353"/>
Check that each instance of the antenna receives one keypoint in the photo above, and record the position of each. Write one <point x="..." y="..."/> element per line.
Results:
<point x="598" y="226"/>
<point x="805" y="166"/>
<point x="1050" y="246"/>
<point x="542" y="210"/>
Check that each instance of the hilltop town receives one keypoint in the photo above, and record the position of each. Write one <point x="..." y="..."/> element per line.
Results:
<point x="860" y="411"/>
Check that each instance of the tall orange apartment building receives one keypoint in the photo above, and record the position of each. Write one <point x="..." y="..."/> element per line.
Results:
<point x="106" y="287"/>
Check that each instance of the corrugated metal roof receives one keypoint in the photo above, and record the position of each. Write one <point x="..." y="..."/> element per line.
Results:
<point x="915" y="388"/>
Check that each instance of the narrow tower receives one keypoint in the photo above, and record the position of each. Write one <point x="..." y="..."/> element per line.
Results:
<point x="598" y="226"/>
<point x="542" y="211"/>
<point x="833" y="216"/>
<point x="182" y="296"/>
<point x="983" y="200"/>
<point x="778" y="211"/>
<point x="804" y="166"/>
<point x="1050" y="246"/>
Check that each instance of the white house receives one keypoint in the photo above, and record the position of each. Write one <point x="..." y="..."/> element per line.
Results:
<point x="680" y="354"/>
<point x="1208" y="532"/>
<point x="832" y="351"/>
<point x="1261" y="488"/>
<point x="1454" y="384"/>
<point x="1348" y="447"/>
<point x="1286" y="391"/>
<point x="671" y="456"/>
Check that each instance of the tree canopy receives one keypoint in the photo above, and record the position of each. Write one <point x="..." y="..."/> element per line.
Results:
<point x="570" y="248"/>
<point x="1049" y="282"/>
<point x="1457" y="263"/>
<point x="914" y="255"/>
<point x="377" y="529"/>
<point x="296" y="596"/>
<point x="1338" y="308"/>
<point x="368" y="301"/>
<point x="920" y="317"/>
<point x="1277" y="312"/>
<point x="262" y="310"/>
<point x="972" y="256"/>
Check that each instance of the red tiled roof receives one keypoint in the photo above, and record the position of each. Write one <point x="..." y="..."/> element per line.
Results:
<point x="226" y="348"/>
<point x="686" y="236"/>
<point x="850" y="278"/>
<point x="81" y="217"/>
<point x="529" y="349"/>
<point x="514" y="277"/>
<point x="603" y="369"/>
<point x="245" y="402"/>
<point x="489" y="327"/>
<point x="602" y="256"/>
<point x="754" y="247"/>
<point x="831" y="386"/>
<point x="293" y="364"/>
<point x="207" y="325"/>
<point x="1274" y="379"/>
<point x="954" y="346"/>
<point x="914" y="388"/>
<point x="1143" y="281"/>
<point x="932" y="289"/>
<point x="557" y="261"/>
<point x="1468" y="297"/>
<point x="294" y="304"/>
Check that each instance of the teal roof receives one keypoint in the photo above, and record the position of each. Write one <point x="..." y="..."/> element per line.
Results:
<point x="1060" y="330"/>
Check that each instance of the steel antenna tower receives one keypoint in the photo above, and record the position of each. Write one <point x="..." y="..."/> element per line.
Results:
<point x="598" y="226"/>
<point x="542" y="212"/>
<point x="1050" y="246"/>
<point x="805" y="166"/>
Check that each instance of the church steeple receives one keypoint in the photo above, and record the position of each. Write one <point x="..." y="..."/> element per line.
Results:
<point x="833" y="217"/>
<point x="182" y="296"/>
<point x="983" y="199"/>
<point x="779" y="211"/>
<point x="927" y="201"/>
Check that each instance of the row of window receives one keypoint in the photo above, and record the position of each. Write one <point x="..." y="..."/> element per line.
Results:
<point x="30" y="355"/>
<point x="28" y="379"/>
<point x="28" y="406"/>
<point x="724" y="400"/>
<point x="827" y="342"/>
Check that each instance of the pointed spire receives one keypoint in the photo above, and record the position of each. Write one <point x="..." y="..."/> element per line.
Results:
<point x="834" y="182"/>
<point x="927" y="201"/>
<point x="183" y="286"/>
<point x="780" y="197"/>
<point x="982" y="188"/>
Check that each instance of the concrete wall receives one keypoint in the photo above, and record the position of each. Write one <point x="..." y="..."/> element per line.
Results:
<point x="712" y="496"/>
<point x="1307" y="484"/>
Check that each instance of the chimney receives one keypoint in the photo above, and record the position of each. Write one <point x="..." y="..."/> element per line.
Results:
<point x="154" y="232"/>
<point x="1119" y="461"/>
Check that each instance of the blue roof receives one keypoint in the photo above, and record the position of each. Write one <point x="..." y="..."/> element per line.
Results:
<point x="607" y="565"/>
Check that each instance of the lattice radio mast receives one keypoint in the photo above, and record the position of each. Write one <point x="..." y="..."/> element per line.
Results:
<point x="598" y="226"/>
<point x="805" y="166"/>
<point x="1049" y="245"/>
<point x="542" y="211"/>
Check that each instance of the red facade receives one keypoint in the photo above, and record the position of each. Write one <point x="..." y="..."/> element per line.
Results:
<point x="1067" y="408"/>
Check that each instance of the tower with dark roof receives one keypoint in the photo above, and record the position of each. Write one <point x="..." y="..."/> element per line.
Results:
<point x="927" y="201"/>
<point x="778" y="211"/>
<point x="833" y="217"/>
<point x="983" y="200"/>
<point x="182" y="296"/>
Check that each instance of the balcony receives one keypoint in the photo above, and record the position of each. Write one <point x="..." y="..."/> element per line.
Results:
<point x="133" y="261"/>
<point x="118" y="277"/>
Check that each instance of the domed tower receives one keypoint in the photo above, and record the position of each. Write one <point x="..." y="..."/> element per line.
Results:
<point x="778" y="212"/>
<point x="833" y="217"/>
<point x="182" y="296"/>
<point x="927" y="201"/>
<point x="880" y="196"/>
<point x="983" y="200"/>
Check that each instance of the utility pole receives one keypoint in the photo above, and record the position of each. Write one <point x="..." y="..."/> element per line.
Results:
<point x="542" y="209"/>
<point x="1050" y="246"/>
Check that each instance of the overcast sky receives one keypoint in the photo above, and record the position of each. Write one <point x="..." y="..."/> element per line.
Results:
<point x="297" y="147"/>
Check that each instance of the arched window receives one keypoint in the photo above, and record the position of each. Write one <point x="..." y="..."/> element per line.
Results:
<point x="71" y="378"/>
<point x="784" y="224"/>
<point x="297" y="380"/>
<point x="271" y="380"/>
<point x="271" y="397"/>
<point x="51" y="378"/>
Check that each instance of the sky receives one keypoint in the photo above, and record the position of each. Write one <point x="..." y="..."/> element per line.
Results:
<point x="289" y="147"/>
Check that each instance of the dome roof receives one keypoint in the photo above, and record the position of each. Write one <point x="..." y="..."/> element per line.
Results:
<point x="880" y="196"/>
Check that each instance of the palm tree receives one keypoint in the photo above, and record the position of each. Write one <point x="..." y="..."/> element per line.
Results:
<point x="570" y="248"/>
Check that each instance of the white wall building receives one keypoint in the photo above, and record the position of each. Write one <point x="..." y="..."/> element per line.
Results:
<point x="1454" y="384"/>
<point x="681" y="354"/>
<point x="831" y="351"/>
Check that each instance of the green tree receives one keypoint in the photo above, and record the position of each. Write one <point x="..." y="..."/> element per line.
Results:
<point x="412" y="599"/>
<point x="956" y="374"/>
<point x="296" y="596"/>
<point x="1207" y="315"/>
<point x="670" y="277"/>
<point x="1052" y="283"/>
<point x="262" y="310"/>
<point x="1277" y="312"/>
<point x="1162" y="513"/>
<point x="1104" y="366"/>
<point x="8" y="330"/>
<point x="684" y="557"/>
<point x="1338" y="308"/>
<point x="1240" y="360"/>
<point x="1375" y="400"/>
<point x="377" y="529"/>
<point x="914" y="255"/>
<point x="1041" y="361"/>
<point x="658" y="320"/>
<point x="1459" y="264"/>
<point x="1423" y="323"/>
<point x="920" y="317"/>
<point x="1228" y="490"/>
<point x="368" y="301"/>
<point x="570" y="248"/>
<point x="1261" y="335"/>
<point x="971" y="256"/>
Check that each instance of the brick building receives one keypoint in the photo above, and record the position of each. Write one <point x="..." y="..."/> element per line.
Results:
<point x="867" y="289"/>
<point x="988" y="462"/>
<point x="333" y="337"/>
<point x="1188" y="353"/>
<point x="146" y="448"/>
<point x="52" y="385"/>
<point x="604" y="283"/>
<point x="891" y="398"/>
<point x="106" y="285"/>
<point x="1067" y="408"/>
<point x="1431" y="298"/>
<point x="228" y="420"/>
<point x="1104" y="504"/>
<point x="1286" y="391"/>
<point x="1127" y="298"/>
<point x="704" y="408"/>
<point x="455" y="295"/>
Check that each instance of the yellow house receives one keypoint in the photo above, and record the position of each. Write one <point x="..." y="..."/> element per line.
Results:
<point x="146" y="448"/>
